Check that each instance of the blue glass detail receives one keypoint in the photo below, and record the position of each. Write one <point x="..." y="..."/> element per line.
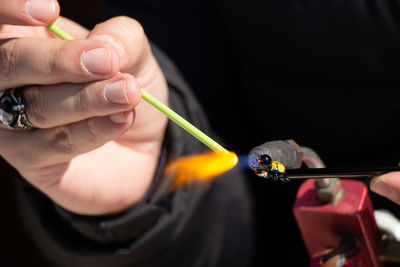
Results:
<point x="253" y="160"/>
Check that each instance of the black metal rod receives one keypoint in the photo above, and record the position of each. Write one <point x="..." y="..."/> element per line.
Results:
<point x="345" y="172"/>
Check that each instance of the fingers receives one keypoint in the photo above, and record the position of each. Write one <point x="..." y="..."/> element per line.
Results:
<point x="38" y="61"/>
<point x="29" y="12"/>
<point x="387" y="185"/>
<point x="128" y="37"/>
<point x="56" y="105"/>
<point x="29" y="151"/>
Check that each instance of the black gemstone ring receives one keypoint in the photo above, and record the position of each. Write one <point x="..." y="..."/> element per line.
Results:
<point x="12" y="111"/>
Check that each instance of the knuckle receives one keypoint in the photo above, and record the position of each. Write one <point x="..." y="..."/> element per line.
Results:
<point x="125" y="20"/>
<point x="131" y="24"/>
<point x="122" y="19"/>
<point x="91" y="131"/>
<point x="35" y="108"/>
<point x="131" y="28"/>
<point x="62" y="140"/>
<point x="81" y="102"/>
<point x="138" y="28"/>
<point x="8" y="59"/>
<point x="56" y="64"/>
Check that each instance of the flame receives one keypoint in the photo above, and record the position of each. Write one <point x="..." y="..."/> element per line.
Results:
<point x="201" y="167"/>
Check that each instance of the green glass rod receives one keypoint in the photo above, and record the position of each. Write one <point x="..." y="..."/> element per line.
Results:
<point x="172" y="115"/>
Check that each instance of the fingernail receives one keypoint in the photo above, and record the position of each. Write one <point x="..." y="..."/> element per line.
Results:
<point x="116" y="92"/>
<point x="383" y="189"/>
<point x="110" y="40"/>
<point x="120" y="118"/>
<point x="40" y="10"/>
<point x="99" y="60"/>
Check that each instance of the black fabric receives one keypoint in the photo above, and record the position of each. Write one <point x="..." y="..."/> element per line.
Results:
<point x="191" y="226"/>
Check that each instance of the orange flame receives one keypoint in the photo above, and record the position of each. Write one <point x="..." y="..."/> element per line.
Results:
<point x="201" y="167"/>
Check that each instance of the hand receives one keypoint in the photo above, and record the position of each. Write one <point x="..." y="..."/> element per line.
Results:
<point x="97" y="147"/>
<point x="387" y="185"/>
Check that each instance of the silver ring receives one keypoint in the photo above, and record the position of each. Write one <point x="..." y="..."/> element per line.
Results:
<point x="12" y="111"/>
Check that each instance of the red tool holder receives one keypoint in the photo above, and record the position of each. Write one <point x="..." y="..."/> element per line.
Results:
<point x="323" y="226"/>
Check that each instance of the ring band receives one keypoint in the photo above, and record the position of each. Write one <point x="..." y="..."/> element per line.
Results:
<point x="12" y="111"/>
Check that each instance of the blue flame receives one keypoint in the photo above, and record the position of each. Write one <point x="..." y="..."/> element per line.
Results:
<point x="243" y="162"/>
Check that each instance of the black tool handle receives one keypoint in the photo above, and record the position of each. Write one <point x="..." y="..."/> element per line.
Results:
<point x="345" y="172"/>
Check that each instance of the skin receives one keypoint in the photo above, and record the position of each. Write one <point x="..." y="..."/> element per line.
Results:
<point x="387" y="185"/>
<point x="91" y="156"/>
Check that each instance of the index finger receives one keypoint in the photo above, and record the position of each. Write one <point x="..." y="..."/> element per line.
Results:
<point x="26" y="61"/>
<point x="29" y="12"/>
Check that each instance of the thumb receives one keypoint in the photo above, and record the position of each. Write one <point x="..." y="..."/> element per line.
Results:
<point x="387" y="185"/>
<point x="128" y="37"/>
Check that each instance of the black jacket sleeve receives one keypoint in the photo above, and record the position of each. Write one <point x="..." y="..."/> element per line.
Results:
<point x="197" y="225"/>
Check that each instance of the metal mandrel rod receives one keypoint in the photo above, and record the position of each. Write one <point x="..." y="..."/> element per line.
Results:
<point x="339" y="172"/>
